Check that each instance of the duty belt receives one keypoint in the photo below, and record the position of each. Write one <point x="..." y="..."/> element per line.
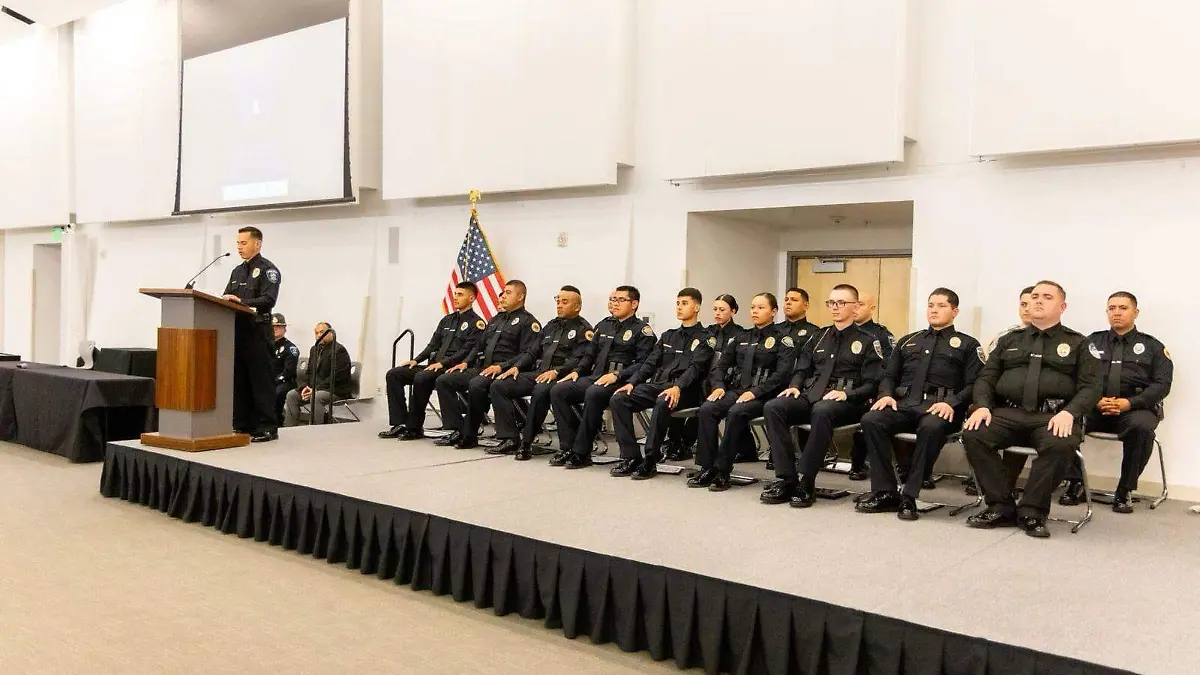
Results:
<point x="615" y="367"/>
<point x="760" y="376"/>
<point x="1049" y="405"/>
<point x="840" y="384"/>
<point x="938" y="394"/>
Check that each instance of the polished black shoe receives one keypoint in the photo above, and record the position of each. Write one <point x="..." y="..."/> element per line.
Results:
<point x="777" y="492"/>
<point x="990" y="518"/>
<point x="702" y="479"/>
<point x="265" y="436"/>
<point x="879" y="502"/>
<point x="394" y="432"/>
<point x="928" y="484"/>
<point x="575" y="461"/>
<point x="1073" y="495"/>
<point x="411" y="434"/>
<point x="1035" y="527"/>
<point x="447" y="441"/>
<point x="720" y="482"/>
<point x="523" y="454"/>
<point x="908" y="508"/>
<point x="860" y="473"/>
<point x="770" y="464"/>
<point x="466" y="443"/>
<point x="804" y="497"/>
<point x="624" y="468"/>
<point x="508" y="446"/>
<point x="648" y="468"/>
<point x="560" y="458"/>
<point x="1122" y="502"/>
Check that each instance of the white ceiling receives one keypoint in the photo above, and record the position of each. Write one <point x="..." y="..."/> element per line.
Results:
<point x="53" y="13"/>
<point x="213" y="25"/>
<point x="825" y="215"/>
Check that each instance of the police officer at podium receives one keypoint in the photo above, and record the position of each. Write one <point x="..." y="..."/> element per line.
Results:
<point x="1034" y="391"/>
<point x="926" y="388"/>
<point x="255" y="284"/>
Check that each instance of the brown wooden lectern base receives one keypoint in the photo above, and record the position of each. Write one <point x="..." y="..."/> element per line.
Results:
<point x="196" y="444"/>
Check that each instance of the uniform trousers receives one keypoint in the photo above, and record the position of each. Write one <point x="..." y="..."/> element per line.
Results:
<point x="420" y="380"/>
<point x="466" y="384"/>
<point x="714" y="453"/>
<point x="1015" y="426"/>
<point x="564" y="396"/>
<point x="823" y="416"/>
<point x="644" y="397"/>
<point x="1135" y="428"/>
<point x="423" y="384"/>
<point x="878" y="427"/>
<point x="503" y="393"/>
<point x="254" y="397"/>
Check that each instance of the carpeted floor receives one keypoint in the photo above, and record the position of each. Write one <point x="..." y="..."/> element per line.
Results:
<point x="94" y="585"/>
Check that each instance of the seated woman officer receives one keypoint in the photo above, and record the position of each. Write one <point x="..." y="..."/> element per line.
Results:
<point x="752" y="370"/>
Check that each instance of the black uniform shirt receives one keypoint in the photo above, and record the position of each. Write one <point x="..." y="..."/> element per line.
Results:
<point x="759" y="363"/>
<point x="723" y="336"/>
<point x="505" y="340"/>
<point x="618" y="343"/>
<point x="454" y="339"/>
<point x="256" y="282"/>
<point x="880" y="332"/>
<point x="955" y="361"/>
<point x="287" y="356"/>
<point x="1146" y="367"/>
<point x="1069" y="372"/>
<point x="849" y="360"/>
<point x="564" y="342"/>
<point x="801" y="331"/>
<point x="681" y="358"/>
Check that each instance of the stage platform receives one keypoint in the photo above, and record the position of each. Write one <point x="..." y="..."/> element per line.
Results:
<point x="711" y="580"/>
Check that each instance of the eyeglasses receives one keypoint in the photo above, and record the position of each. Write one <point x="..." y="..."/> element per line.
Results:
<point x="838" y="304"/>
<point x="617" y="301"/>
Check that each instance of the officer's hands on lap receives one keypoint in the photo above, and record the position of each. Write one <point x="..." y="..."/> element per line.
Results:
<point x="981" y="417"/>
<point x="624" y="390"/>
<point x="1061" y="424"/>
<point x="835" y="395"/>
<point x="511" y="372"/>
<point x="548" y="376"/>
<point x="490" y="371"/>
<point x="942" y="410"/>
<point x="455" y="369"/>
<point x="746" y="396"/>
<point x="672" y="396"/>
<point x="606" y="379"/>
<point x="571" y="377"/>
<point x="790" y="392"/>
<point x="885" y="402"/>
<point x="434" y="367"/>
<point x="716" y="395"/>
<point x="408" y="364"/>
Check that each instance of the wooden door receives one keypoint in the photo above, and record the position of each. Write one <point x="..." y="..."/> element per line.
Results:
<point x="887" y="278"/>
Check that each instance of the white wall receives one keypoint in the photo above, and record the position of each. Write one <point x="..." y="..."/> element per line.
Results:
<point x="745" y="266"/>
<point x="847" y="237"/>
<point x="47" y="302"/>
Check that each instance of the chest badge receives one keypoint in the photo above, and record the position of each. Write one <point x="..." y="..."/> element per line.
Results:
<point x="516" y="321"/>
<point x="1139" y="349"/>
<point x="770" y="342"/>
<point x="695" y="343"/>
<point x="1093" y="351"/>
<point x="463" y="326"/>
<point x="571" y="335"/>
<point x="626" y="335"/>
<point x="956" y="342"/>
<point x="1064" y="350"/>
<point x="255" y="273"/>
<point x="856" y="347"/>
<point x="712" y="341"/>
<point x="803" y="332"/>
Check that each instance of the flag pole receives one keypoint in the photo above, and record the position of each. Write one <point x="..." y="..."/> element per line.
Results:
<point x="475" y="196"/>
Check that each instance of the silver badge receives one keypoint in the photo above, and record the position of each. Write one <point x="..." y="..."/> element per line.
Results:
<point x="463" y="326"/>
<point x="628" y="334"/>
<point x="255" y="273"/>
<point x="803" y="332"/>
<point x="571" y="335"/>
<point x="1093" y="351"/>
<point x="516" y="321"/>
<point x="1139" y="348"/>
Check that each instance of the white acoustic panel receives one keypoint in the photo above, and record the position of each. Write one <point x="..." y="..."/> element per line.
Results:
<point x="1075" y="74"/>
<point x="762" y="86"/>
<point x="127" y="111"/>
<point x="34" y="149"/>
<point x="504" y="96"/>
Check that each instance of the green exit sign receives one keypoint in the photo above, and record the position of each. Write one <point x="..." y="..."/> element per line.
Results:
<point x="56" y="234"/>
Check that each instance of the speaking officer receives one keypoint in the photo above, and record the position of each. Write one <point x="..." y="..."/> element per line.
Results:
<point x="1034" y="391"/>
<point x="287" y="358"/>
<point x="832" y="384"/>
<point x="255" y="284"/>
<point x="748" y="375"/>
<point x="454" y="339"/>
<point x="1135" y="376"/>
<point x="563" y="344"/>
<point x="621" y="343"/>
<point x="926" y="389"/>
<point x="672" y="376"/>
<point x="864" y="318"/>
<point x="506" y="343"/>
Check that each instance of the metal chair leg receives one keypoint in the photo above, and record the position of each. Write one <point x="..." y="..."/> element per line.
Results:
<point x="1162" y="468"/>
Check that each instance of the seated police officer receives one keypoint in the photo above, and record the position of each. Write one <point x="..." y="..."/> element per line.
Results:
<point x="864" y="318"/>
<point x="925" y="389"/>
<point x="287" y="355"/>
<point x="622" y="342"/>
<point x="325" y="380"/>
<point x="750" y="372"/>
<point x="453" y="340"/>
<point x="507" y="342"/>
<point x="1034" y="391"/>
<point x="671" y="377"/>
<point x="832" y="384"/>
<point x="1135" y="376"/>
<point x="563" y="343"/>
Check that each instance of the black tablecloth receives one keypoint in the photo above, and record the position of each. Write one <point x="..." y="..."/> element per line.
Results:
<point x="10" y="357"/>
<point x="139" y="361"/>
<point x="72" y="412"/>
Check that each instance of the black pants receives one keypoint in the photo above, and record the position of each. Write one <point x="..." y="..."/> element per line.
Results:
<point x="1013" y="426"/>
<point x="281" y="391"/>
<point x="465" y="384"/>
<point x="644" y="397"/>
<point x="254" y="398"/>
<point x="684" y="431"/>
<point x="576" y="434"/>
<point x="822" y="417"/>
<point x="878" y="427"/>
<point x="397" y="379"/>
<point x="504" y="392"/>
<point x="712" y="453"/>
<point x="1135" y="428"/>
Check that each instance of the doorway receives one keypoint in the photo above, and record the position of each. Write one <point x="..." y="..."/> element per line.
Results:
<point x="886" y="274"/>
<point x="47" y="303"/>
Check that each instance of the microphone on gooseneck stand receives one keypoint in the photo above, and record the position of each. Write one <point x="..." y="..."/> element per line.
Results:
<point x="192" y="283"/>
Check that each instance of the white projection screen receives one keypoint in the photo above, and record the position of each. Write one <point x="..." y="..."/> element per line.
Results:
<point x="265" y="124"/>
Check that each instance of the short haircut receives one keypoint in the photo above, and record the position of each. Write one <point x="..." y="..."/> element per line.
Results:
<point x="519" y="285"/>
<point x="770" y="298"/>
<point x="1046" y="282"/>
<point x="796" y="289"/>
<point x="571" y="289"/>
<point x="692" y="293"/>
<point x="729" y="300"/>
<point x="1027" y="290"/>
<point x="848" y="288"/>
<point x="254" y="232"/>
<point x="1125" y="294"/>
<point x="633" y="292"/>
<point x="951" y="296"/>
<point x="468" y="286"/>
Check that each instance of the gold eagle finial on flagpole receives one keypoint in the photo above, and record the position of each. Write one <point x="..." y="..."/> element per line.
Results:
<point x="475" y="197"/>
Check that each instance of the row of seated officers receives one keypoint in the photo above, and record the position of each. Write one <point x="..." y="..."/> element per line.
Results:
<point x="1040" y="384"/>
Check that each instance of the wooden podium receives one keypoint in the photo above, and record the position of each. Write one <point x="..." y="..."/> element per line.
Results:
<point x="194" y="380"/>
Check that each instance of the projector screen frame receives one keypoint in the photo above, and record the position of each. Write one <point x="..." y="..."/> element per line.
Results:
<point x="347" y="182"/>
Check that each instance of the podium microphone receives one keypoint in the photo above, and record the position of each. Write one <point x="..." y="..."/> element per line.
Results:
<point x="192" y="284"/>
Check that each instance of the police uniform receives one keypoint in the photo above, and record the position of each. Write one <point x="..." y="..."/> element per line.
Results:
<point x="801" y="331"/>
<point x="682" y="433"/>
<point x="287" y="358"/>
<point x="848" y="360"/>
<point x="1134" y="366"/>
<point x="1032" y="375"/>
<point x="506" y="342"/>
<point x="926" y="367"/>
<point x="680" y="359"/>
<point x="618" y="347"/>
<point x="452" y="341"/>
<point x="256" y="283"/>
<point x="563" y="345"/>
<point x="858" y="447"/>
<point x="758" y="362"/>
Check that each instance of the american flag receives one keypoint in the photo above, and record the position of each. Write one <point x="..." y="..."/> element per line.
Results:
<point x="476" y="263"/>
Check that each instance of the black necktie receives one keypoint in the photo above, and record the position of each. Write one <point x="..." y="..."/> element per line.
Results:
<point x="825" y="368"/>
<point x="601" y="365"/>
<point x="1029" y="396"/>
<point x="1113" y="387"/>
<point x="548" y="353"/>
<point x="917" y="391"/>
<point x="446" y="340"/>
<point x="747" y="364"/>
<point x="491" y="345"/>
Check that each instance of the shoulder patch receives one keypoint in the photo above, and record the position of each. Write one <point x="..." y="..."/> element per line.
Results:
<point x="647" y="331"/>
<point x="1092" y="349"/>
<point x="712" y="341"/>
<point x="878" y="348"/>
<point x="273" y="276"/>
<point x="1167" y="353"/>
<point x="294" y="350"/>
<point x="979" y="353"/>
<point x="535" y="327"/>
<point x="787" y="341"/>
<point x="480" y="324"/>
<point x="588" y="335"/>
<point x="892" y="340"/>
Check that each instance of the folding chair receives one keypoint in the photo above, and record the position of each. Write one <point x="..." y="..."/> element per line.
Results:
<point x="1076" y="525"/>
<point x="1107" y="496"/>
<point x="925" y="506"/>
<point x="355" y="390"/>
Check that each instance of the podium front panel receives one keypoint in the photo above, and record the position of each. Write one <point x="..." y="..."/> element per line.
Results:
<point x="188" y="314"/>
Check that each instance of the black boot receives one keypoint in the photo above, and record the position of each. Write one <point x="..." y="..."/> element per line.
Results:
<point x="1122" y="502"/>
<point x="1073" y="494"/>
<point x="648" y="468"/>
<point x="624" y="468"/>
<point x="702" y="479"/>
